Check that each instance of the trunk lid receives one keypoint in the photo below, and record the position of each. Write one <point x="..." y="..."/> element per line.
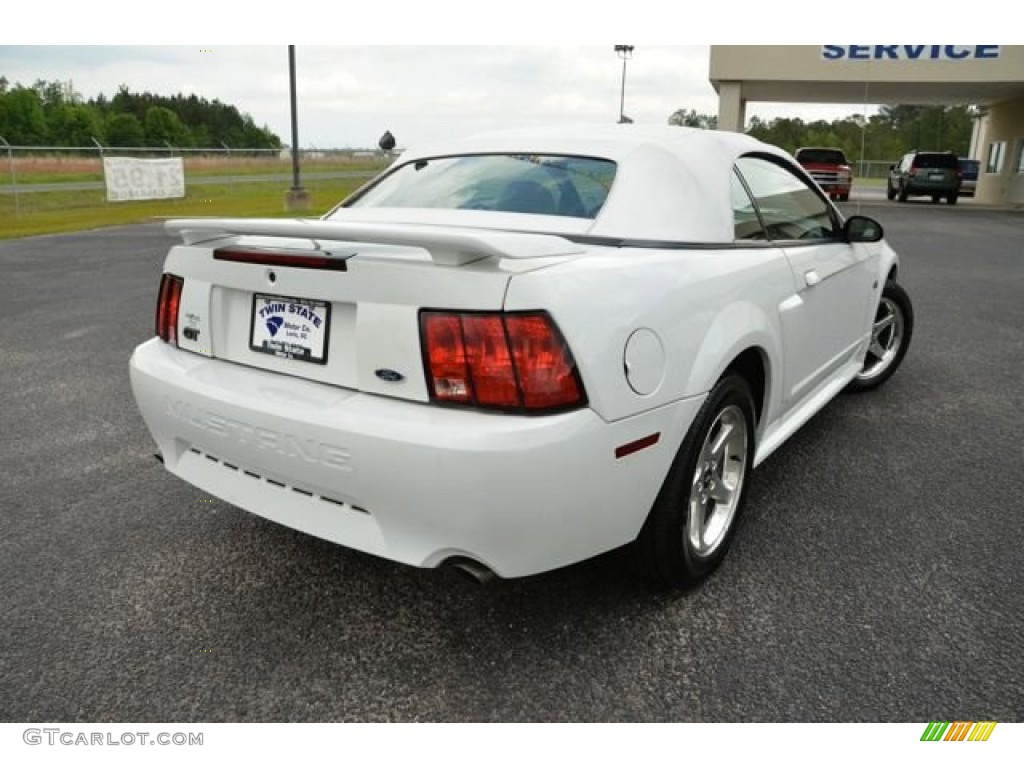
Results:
<point x="335" y="302"/>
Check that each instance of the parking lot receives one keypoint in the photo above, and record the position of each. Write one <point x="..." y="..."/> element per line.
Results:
<point x="876" y="575"/>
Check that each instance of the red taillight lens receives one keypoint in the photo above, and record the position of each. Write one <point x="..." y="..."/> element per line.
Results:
<point x="547" y="372"/>
<point x="167" y="308"/>
<point x="515" y="361"/>
<point x="490" y="364"/>
<point x="448" y="374"/>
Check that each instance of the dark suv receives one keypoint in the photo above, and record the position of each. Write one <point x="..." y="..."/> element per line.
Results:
<point x="935" y="174"/>
<point x="969" y="176"/>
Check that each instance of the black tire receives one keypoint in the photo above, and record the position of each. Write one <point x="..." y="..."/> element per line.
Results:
<point x="844" y="198"/>
<point x="889" y="191"/>
<point x="903" y="193"/>
<point x="950" y="199"/>
<point x="936" y="198"/>
<point x="664" y="551"/>
<point x="895" y="339"/>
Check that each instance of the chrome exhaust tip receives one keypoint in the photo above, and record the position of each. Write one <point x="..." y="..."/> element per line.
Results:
<point x="467" y="566"/>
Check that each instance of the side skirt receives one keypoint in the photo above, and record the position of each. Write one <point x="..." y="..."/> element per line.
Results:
<point x="780" y="430"/>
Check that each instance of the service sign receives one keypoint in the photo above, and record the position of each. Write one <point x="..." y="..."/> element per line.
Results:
<point x="909" y="52"/>
<point x="132" y="178"/>
<point x="292" y="328"/>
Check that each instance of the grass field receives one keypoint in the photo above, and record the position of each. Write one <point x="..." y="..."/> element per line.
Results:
<point x="50" y="212"/>
<point x="39" y="213"/>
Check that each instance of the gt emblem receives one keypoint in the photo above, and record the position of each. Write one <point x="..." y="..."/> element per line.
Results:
<point x="386" y="374"/>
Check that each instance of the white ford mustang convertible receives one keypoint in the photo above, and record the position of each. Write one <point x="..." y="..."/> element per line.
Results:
<point x="515" y="351"/>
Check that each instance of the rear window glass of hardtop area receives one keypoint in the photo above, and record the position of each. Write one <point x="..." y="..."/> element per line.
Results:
<point x="823" y="156"/>
<point x="552" y="185"/>
<point x="935" y="160"/>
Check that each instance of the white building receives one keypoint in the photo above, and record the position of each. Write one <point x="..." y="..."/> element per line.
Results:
<point x="990" y="77"/>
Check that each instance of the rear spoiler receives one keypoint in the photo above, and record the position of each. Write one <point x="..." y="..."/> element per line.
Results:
<point x="448" y="246"/>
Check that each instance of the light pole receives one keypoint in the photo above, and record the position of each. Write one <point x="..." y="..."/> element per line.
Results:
<point x="297" y="199"/>
<point x="625" y="52"/>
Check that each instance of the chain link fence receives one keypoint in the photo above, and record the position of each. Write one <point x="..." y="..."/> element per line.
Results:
<point x="52" y="178"/>
<point x="871" y="169"/>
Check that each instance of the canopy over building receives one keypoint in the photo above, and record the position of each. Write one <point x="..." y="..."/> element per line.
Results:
<point x="990" y="77"/>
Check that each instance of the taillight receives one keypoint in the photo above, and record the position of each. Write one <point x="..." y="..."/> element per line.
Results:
<point x="167" y="304"/>
<point x="489" y="361"/>
<point x="506" y="361"/>
<point x="447" y="370"/>
<point x="546" y="369"/>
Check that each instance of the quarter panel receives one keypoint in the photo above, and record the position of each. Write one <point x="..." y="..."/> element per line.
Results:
<point x="705" y="305"/>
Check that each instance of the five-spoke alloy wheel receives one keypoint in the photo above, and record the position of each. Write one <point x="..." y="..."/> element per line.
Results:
<point x="717" y="481"/>
<point x="890" y="337"/>
<point x="692" y="522"/>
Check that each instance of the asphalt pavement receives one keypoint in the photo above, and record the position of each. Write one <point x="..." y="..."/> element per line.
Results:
<point x="876" y="574"/>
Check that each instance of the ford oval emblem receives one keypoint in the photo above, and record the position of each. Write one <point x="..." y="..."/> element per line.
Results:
<point x="386" y="374"/>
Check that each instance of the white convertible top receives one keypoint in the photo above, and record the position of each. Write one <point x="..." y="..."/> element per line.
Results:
<point x="671" y="184"/>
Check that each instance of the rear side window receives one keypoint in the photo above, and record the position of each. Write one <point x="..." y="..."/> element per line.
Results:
<point x="790" y="209"/>
<point x="552" y="185"/>
<point x="935" y="160"/>
<point x="821" y="156"/>
<point x="970" y="167"/>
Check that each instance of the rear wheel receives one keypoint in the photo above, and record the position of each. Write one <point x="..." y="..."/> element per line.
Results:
<point x="890" y="192"/>
<point x="903" y="193"/>
<point x="936" y="198"/>
<point x="890" y="337"/>
<point x="692" y="522"/>
<point x="950" y="199"/>
<point x="845" y="197"/>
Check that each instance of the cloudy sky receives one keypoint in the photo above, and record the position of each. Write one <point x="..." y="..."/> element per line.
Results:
<point x="349" y="95"/>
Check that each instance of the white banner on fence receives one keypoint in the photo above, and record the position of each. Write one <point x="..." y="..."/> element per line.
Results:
<point x="129" y="178"/>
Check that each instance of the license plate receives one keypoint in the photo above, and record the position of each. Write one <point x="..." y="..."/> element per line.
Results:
<point x="936" y="176"/>
<point x="293" y="328"/>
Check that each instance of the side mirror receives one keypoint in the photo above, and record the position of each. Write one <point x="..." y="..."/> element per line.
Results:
<point x="892" y="167"/>
<point x="861" y="229"/>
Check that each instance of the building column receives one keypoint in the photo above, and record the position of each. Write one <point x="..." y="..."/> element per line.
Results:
<point x="732" y="107"/>
<point x="978" y="116"/>
<point x="1004" y="124"/>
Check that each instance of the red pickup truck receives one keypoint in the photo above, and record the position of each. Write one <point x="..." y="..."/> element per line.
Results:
<point x="829" y="168"/>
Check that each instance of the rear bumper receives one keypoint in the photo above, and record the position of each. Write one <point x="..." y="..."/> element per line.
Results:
<point x="836" y="189"/>
<point x="926" y="187"/>
<point x="407" y="481"/>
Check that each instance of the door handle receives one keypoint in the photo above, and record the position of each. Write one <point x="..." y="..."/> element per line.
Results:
<point x="812" y="278"/>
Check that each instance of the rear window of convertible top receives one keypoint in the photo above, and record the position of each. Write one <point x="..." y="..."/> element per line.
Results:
<point x="552" y="185"/>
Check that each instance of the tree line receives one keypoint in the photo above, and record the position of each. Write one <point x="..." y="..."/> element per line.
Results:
<point x="52" y="114"/>
<point x="886" y="135"/>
